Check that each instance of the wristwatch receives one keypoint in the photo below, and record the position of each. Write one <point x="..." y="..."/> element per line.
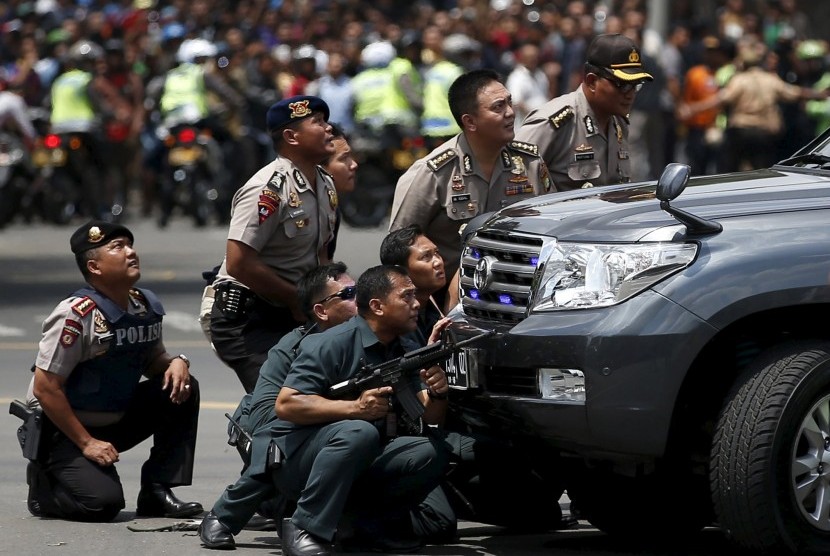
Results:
<point x="184" y="358"/>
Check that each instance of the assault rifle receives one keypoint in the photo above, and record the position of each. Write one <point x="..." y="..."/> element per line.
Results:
<point x="396" y="373"/>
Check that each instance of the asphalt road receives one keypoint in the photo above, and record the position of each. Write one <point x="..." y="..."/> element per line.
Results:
<point x="37" y="269"/>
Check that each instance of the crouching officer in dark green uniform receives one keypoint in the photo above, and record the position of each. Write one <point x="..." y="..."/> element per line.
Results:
<point x="327" y="296"/>
<point x="96" y="346"/>
<point x="349" y="477"/>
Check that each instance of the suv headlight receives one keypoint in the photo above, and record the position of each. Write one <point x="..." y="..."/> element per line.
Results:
<point x="588" y="275"/>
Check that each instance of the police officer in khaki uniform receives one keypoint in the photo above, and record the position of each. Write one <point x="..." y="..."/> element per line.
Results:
<point x="96" y="346"/>
<point x="583" y="135"/>
<point x="282" y="220"/>
<point x="479" y="170"/>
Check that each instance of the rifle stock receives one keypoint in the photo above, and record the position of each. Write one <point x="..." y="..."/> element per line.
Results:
<point x="395" y="373"/>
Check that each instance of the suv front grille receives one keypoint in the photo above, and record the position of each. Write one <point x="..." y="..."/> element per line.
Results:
<point x="497" y="269"/>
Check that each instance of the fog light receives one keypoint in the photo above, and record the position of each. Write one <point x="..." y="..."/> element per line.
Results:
<point x="567" y="385"/>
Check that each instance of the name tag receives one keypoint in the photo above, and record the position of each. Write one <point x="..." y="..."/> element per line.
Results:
<point x="583" y="156"/>
<point x="460" y="198"/>
<point x="296" y="213"/>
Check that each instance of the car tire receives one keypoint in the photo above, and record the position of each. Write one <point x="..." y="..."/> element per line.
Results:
<point x="769" y="488"/>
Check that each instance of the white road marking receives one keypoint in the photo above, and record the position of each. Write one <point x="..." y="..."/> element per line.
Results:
<point x="180" y="320"/>
<point x="11" y="331"/>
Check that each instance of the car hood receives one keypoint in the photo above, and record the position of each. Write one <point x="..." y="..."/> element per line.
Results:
<point x="625" y="213"/>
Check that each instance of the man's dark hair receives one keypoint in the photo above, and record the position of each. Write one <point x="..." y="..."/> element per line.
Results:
<point x="81" y="260"/>
<point x="312" y="286"/>
<point x="276" y="134"/>
<point x="336" y="132"/>
<point x="463" y="93"/>
<point x="376" y="283"/>
<point x="394" y="249"/>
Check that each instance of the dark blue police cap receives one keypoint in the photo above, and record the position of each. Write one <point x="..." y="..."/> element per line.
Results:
<point x="96" y="233"/>
<point x="291" y="109"/>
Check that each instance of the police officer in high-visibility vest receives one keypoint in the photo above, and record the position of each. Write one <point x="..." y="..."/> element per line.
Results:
<point x="76" y="108"/>
<point x="184" y="99"/>
<point x="437" y="121"/>
<point x="379" y="101"/>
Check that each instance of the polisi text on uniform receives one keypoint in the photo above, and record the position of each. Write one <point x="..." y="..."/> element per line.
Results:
<point x="138" y="334"/>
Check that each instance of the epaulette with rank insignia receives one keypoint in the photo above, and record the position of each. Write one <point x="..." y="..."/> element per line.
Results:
<point x="440" y="160"/>
<point x="562" y="116"/>
<point x="136" y="293"/>
<point x="528" y="148"/>
<point x="83" y="306"/>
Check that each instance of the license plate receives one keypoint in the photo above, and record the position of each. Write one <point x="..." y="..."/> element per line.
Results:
<point x="462" y="369"/>
<point x="184" y="155"/>
<point x="49" y="157"/>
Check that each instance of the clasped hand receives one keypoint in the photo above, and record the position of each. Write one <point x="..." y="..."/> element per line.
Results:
<point x="375" y="403"/>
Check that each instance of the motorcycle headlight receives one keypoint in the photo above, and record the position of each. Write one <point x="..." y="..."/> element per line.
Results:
<point x="589" y="275"/>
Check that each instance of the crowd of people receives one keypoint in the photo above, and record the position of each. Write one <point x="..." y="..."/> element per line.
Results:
<point x="291" y="322"/>
<point x="385" y="66"/>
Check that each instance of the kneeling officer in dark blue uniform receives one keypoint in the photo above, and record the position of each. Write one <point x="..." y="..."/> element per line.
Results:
<point x="96" y="346"/>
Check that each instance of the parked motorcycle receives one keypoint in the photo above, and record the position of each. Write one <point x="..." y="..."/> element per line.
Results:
<point x="187" y="181"/>
<point x="70" y="181"/>
<point x="383" y="155"/>
<point x="14" y="176"/>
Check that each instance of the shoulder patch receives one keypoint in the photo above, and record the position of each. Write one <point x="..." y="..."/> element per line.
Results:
<point x="83" y="306"/>
<point x="71" y="330"/>
<point x="521" y="146"/>
<point x="441" y="159"/>
<point x="562" y="116"/>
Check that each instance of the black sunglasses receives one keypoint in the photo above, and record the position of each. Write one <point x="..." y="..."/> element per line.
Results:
<point x="346" y="293"/>
<point x="624" y="87"/>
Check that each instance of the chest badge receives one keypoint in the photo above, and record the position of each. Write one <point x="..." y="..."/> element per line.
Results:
<point x="457" y="183"/>
<point x="294" y="199"/>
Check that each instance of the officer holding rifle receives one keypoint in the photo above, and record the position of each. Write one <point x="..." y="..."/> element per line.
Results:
<point x="339" y="452"/>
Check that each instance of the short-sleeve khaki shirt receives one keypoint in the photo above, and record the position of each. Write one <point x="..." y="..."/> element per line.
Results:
<point x="577" y="152"/>
<point x="446" y="189"/>
<point x="279" y="214"/>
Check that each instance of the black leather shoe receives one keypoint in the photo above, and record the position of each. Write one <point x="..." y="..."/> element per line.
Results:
<point x="32" y="472"/>
<point x="299" y="542"/>
<point x="260" y="523"/>
<point x="214" y="534"/>
<point x="155" y="500"/>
